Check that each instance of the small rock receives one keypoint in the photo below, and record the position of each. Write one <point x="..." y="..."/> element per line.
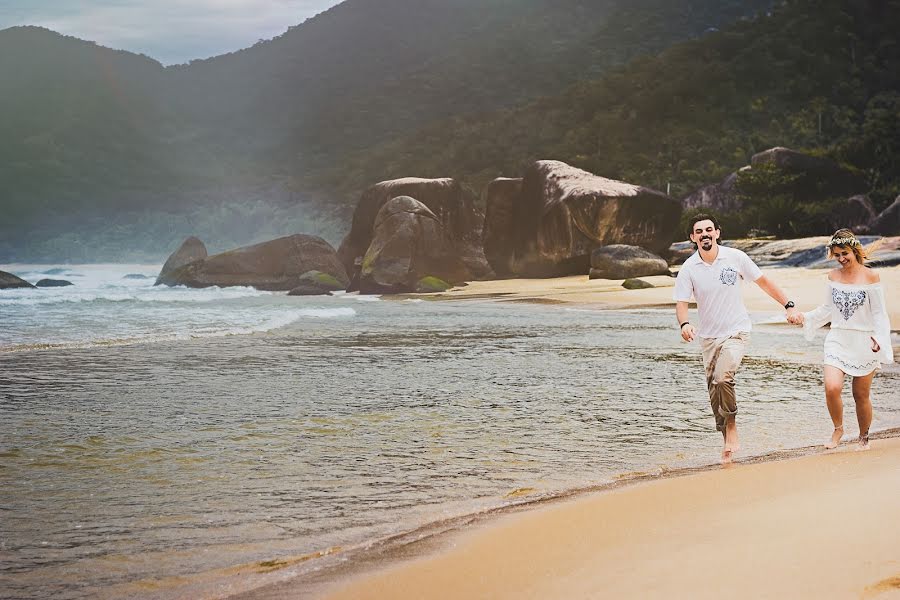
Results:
<point x="430" y="284"/>
<point x="309" y="289"/>
<point x="636" y="284"/>
<point x="53" y="283"/>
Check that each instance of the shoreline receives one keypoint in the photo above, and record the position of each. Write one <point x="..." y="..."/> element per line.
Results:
<point x="366" y="570"/>
<point x="393" y="567"/>
<point x="804" y="286"/>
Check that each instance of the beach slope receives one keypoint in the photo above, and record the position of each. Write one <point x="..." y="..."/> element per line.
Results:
<point x="825" y="525"/>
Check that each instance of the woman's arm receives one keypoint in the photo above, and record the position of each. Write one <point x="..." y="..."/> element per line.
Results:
<point x="881" y="325"/>
<point x="818" y="316"/>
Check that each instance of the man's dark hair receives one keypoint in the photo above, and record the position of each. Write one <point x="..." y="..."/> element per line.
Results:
<point x="701" y="217"/>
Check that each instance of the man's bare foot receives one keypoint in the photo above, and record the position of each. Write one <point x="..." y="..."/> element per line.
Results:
<point x="732" y="444"/>
<point x="835" y="440"/>
<point x="863" y="441"/>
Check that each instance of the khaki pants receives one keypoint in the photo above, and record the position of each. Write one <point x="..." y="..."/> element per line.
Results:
<point x="722" y="356"/>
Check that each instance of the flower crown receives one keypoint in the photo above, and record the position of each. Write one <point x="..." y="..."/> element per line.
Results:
<point x="844" y="241"/>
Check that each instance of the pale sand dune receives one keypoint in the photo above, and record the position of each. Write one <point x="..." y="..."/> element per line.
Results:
<point x="804" y="286"/>
<point x="820" y="526"/>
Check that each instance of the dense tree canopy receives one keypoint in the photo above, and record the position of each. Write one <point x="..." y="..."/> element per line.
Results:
<point x="108" y="154"/>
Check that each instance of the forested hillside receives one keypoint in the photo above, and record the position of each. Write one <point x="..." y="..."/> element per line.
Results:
<point x="820" y="76"/>
<point x="105" y="152"/>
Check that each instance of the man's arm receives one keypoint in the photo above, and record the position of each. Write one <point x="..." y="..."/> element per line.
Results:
<point x="681" y="313"/>
<point x="768" y="286"/>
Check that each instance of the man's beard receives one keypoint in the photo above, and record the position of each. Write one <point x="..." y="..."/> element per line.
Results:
<point x="706" y="243"/>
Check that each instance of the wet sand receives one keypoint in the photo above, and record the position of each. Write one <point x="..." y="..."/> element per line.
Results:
<point x="805" y="286"/>
<point x="819" y="526"/>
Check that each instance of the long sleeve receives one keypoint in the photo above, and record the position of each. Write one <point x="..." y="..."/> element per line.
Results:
<point x="817" y="317"/>
<point x="881" y="325"/>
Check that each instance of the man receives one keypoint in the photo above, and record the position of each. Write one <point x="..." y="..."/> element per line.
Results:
<point x="713" y="275"/>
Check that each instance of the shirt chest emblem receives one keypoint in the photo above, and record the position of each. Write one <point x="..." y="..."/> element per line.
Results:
<point x="847" y="301"/>
<point x="728" y="276"/>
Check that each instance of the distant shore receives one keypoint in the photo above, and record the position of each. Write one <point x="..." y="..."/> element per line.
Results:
<point x="816" y="526"/>
<point x="805" y="286"/>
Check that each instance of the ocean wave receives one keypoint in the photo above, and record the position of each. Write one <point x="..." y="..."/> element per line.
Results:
<point x="266" y="325"/>
<point x="28" y="297"/>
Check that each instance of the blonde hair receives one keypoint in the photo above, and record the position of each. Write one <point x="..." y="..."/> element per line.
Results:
<point x="844" y="238"/>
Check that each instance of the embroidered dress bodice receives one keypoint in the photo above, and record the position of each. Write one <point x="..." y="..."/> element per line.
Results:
<point x="858" y="307"/>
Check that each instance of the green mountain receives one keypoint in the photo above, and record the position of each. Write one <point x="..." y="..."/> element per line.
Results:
<point x="106" y="154"/>
<point x="817" y="76"/>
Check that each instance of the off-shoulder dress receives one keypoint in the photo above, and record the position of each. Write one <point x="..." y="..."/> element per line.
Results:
<point x="857" y="314"/>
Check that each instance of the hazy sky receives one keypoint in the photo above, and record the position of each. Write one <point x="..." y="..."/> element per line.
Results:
<point x="171" y="31"/>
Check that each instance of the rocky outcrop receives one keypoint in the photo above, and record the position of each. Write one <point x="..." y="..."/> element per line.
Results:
<point x="811" y="252"/>
<point x="680" y="252"/>
<point x="813" y="176"/>
<point x="53" y="283"/>
<point x="500" y="234"/>
<point x="449" y="201"/>
<point x="856" y="213"/>
<point x="721" y="198"/>
<point x="274" y="265"/>
<point x="804" y="177"/>
<point x="564" y="213"/>
<point x="316" y="283"/>
<point x="887" y="254"/>
<point x="191" y="250"/>
<point x="620" y="261"/>
<point x="409" y="243"/>
<point x="888" y="222"/>
<point x="9" y="281"/>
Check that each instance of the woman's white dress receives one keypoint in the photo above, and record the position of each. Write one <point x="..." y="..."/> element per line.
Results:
<point x="857" y="314"/>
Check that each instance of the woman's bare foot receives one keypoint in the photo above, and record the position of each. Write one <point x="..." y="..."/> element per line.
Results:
<point x="863" y="441"/>
<point x="727" y="456"/>
<point x="835" y="440"/>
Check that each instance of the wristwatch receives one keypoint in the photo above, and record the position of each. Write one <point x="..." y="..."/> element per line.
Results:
<point x="790" y="304"/>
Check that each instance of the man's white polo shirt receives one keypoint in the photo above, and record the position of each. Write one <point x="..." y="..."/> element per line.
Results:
<point x="717" y="289"/>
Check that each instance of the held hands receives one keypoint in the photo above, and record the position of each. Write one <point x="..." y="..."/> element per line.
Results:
<point x="794" y="316"/>
<point x="687" y="333"/>
<point x="875" y="345"/>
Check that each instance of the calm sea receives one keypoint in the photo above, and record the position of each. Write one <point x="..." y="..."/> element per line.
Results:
<point x="174" y="443"/>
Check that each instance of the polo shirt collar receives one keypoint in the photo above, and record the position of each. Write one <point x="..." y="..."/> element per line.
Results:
<point x="696" y="259"/>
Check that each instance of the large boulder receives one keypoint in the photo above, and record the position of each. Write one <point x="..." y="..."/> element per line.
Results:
<point x="856" y="213"/>
<point x="452" y="203"/>
<point x="721" y="197"/>
<point x="9" y="281"/>
<point x="564" y="213"/>
<point x="409" y="244"/>
<point x="191" y="250"/>
<point x="621" y="261"/>
<point x="812" y="176"/>
<point x="888" y="222"/>
<point x="500" y="234"/>
<point x="274" y="265"/>
<point x="887" y="252"/>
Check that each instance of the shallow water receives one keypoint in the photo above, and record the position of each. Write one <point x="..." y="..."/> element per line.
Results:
<point x="166" y="449"/>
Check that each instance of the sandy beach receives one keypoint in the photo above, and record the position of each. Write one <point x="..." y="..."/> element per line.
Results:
<point x="804" y="523"/>
<point x="804" y="286"/>
<point x="819" y="526"/>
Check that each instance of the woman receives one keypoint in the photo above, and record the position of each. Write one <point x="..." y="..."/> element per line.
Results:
<point x="860" y="336"/>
